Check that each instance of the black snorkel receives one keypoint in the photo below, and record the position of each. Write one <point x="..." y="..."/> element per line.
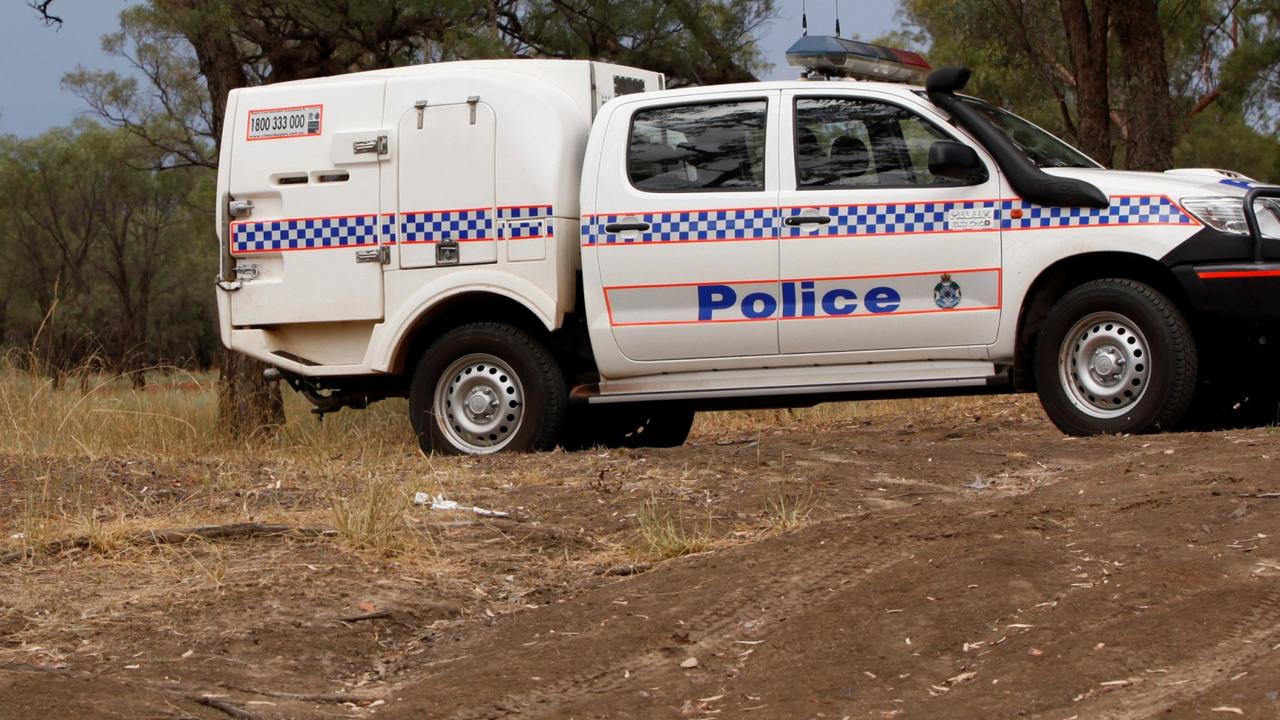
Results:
<point x="1028" y="181"/>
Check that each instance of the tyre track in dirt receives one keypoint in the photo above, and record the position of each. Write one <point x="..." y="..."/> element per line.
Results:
<point x="770" y="599"/>
<point x="1251" y="639"/>
<point x="957" y="567"/>
<point x="804" y="577"/>
<point x="764" y="594"/>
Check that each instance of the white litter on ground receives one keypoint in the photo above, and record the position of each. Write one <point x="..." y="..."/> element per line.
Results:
<point x="438" y="502"/>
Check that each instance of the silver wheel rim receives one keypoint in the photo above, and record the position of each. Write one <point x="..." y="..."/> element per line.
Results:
<point x="1105" y="365"/>
<point x="479" y="403"/>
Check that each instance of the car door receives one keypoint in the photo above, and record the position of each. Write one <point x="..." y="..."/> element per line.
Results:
<point x="877" y="253"/>
<point x="308" y="245"/>
<point x="446" y="177"/>
<point x="685" y="228"/>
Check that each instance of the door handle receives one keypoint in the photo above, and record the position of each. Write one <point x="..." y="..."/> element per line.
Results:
<point x="626" y="227"/>
<point x="798" y="220"/>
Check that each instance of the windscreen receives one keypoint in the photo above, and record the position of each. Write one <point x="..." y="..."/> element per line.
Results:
<point x="1043" y="149"/>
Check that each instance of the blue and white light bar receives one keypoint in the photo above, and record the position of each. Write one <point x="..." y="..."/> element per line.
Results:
<point x="835" y="56"/>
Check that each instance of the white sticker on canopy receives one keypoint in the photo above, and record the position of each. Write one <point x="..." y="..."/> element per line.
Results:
<point x="289" y="122"/>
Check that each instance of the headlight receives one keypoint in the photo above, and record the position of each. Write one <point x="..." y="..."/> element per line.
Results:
<point x="1226" y="214"/>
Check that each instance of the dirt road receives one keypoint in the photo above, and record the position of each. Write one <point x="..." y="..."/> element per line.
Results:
<point x="967" y="562"/>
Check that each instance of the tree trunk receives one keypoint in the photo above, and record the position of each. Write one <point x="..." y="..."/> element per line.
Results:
<point x="1088" y="28"/>
<point x="247" y="404"/>
<point x="1146" y="75"/>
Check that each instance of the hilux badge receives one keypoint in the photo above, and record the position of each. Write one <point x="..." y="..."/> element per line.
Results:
<point x="946" y="293"/>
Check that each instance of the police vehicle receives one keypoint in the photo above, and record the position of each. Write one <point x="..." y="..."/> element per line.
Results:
<point x="541" y="251"/>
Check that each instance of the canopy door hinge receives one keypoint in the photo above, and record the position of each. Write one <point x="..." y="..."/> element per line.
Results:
<point x="377" y="146"/>
<point x="381" y="255"/>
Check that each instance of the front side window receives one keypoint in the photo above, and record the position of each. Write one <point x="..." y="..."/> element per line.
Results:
<point x="851" y="143"/>
<point x="699" y="148"/>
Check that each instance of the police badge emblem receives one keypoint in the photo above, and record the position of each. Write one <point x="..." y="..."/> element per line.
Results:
<point x="946" y="293"/>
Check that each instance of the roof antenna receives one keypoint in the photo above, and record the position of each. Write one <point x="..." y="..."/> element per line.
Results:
<point x="837" y="18"/>
<point x="804" y="18"/>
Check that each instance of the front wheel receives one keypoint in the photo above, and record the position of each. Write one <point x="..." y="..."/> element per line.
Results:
<point x="1115" y="356"/>
<point x="486" y="387"/>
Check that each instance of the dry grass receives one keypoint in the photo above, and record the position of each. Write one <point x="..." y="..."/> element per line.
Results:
<point x="373" y="518"/>
<point x="174" y="417"/>
<point x="96" y="458"/>
<point x="170" y="428"/>
<point x="786" y="510"/>
<point x="663" y="534"/>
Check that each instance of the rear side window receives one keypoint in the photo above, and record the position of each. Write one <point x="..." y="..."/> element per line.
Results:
<point x="703" y="147"/>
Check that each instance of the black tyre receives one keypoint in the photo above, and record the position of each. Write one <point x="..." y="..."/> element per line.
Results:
<point x="1115" y="356"/>
<point x="487" y="387"/>
<point x="630" y="426"/>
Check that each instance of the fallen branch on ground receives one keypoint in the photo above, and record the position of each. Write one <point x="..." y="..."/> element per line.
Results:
<point x="376" y="615"/>
<point x="623" y="570"/>
<point x="173" y="537"/>
<point x="234" y="711"/>
<point x="357" y="698"/>
<point x="525" y="529"/>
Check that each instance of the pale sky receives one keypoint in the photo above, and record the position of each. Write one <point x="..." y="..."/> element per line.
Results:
<point x="33" y="58"/>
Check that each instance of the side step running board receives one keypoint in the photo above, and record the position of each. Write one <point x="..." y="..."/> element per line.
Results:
<point x="886" y="378"/>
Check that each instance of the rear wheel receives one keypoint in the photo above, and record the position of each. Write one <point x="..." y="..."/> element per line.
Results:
<point x="487" y="387"/>
<point x="1115" y="356"/>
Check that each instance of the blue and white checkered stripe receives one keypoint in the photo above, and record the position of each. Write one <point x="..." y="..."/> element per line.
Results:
<point x="389" y="228"/>
<point x="698" y="225"/>
<point x="882" y="219"/>
<point x="305" y="234"/>
<point x="524" y="212"/>
<point x="526" y="222"/>
<point x="527" y="229"/>
<point x="887" y="219"/>
<point x="434" y="226"/>
<point x="1137" y="210"/>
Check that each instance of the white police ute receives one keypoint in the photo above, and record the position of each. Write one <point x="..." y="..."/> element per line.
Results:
<point x="538" y="252"/>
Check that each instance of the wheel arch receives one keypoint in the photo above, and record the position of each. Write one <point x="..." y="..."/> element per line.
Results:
<point x="1060" y="277"/>
<point x="461" y="309"/>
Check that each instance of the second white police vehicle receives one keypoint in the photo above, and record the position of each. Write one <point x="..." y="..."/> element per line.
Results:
<point x="540" y="251"/>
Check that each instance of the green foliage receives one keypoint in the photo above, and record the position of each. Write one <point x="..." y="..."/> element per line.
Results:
<point x="692" y="42"/>
<point x="190" y="53"/>
<point x="1221" y="138"/>
<point x="1223" y="59"/>
<point x="1250" y="73"/>
<point x="99" y="252"/>
<point x="105" y="239"/>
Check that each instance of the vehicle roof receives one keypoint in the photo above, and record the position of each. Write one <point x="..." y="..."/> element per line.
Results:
<point x="797" y="84"/>
<point x="450" y="66"/>
<point x="528" y="63"/>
